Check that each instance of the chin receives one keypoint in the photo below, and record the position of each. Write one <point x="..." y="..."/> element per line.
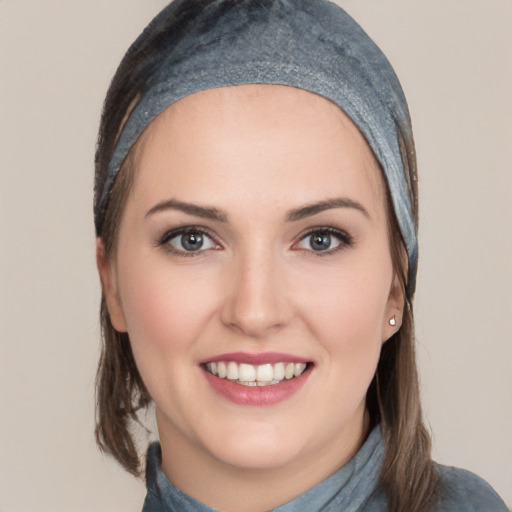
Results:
<point x="254" y="455"/>
<point x="252" y="444"/>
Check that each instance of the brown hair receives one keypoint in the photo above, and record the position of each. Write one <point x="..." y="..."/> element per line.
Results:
<point x="393" y="400"/>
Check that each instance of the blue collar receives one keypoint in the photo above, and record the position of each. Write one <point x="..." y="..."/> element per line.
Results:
<point x="353" y="488"/>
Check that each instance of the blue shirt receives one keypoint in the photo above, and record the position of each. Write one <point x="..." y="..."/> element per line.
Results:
<point x="353" y="488"/>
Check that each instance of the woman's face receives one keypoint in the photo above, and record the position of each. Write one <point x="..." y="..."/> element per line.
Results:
<point x="254" y="242"/>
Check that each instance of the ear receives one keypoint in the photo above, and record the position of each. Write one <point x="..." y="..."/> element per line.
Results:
<point x="393" y="315"/>
<point x="107" y="274"/>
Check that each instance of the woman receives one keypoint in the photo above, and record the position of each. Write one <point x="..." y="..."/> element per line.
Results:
<point x="256" y="215"/>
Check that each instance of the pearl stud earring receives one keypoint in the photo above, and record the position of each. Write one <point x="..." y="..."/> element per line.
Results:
<point x="392" y="321"/>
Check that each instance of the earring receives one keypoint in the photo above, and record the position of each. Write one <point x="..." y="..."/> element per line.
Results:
<point x="392" y="321"/>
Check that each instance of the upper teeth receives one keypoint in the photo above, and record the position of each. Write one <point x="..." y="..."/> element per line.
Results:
<point x="255" y="375"/>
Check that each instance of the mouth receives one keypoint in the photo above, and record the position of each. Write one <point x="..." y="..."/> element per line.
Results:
<point x="252" y="375"/>
<point x="256" y="379"/>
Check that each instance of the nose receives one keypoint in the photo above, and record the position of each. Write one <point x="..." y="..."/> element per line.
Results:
<point x="256" y="302"/>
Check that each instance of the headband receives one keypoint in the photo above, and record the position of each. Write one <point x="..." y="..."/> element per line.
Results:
<point x="310" y="44"/>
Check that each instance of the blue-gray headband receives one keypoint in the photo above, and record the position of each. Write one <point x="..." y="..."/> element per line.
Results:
<point x="310" y="44"/>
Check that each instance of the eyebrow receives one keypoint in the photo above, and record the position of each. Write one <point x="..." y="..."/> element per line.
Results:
<point x="292" y="216"/>
<point x="191" y="209"/>
<point x="321" y="206"/>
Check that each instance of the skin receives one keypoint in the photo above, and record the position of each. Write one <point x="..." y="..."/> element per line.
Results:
<point x="254" y="153"/>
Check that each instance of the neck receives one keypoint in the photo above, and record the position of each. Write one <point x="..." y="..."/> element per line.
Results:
<point x="233" y="489"/>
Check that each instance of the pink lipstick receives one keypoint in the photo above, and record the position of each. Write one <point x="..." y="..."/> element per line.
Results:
<point x="256" y="379"/>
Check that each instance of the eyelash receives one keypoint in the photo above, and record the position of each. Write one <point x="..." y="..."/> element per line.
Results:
<point x="345" y="241"/>
<point x="175" y="233"/>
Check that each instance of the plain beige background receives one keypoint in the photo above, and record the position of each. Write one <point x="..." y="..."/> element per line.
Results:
<point x="454" y="58"/>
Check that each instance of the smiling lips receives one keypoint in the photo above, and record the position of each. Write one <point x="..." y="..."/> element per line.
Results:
<point x="256" y="380"/>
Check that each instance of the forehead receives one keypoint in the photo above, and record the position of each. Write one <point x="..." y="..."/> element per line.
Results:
<point x="266" y="128"/>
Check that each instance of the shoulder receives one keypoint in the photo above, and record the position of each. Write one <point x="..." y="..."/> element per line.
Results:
<point x="461" y="490"/>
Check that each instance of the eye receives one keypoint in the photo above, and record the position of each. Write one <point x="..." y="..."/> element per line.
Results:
<point x="324" y="240"/>
<point x="188" y="240"/>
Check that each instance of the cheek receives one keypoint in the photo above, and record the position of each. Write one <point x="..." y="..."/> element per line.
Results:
<point x="346" y="317"/>
<point x="165" y="307"/>
<point x="349" y="328"/>
<point x="349" y="304"/>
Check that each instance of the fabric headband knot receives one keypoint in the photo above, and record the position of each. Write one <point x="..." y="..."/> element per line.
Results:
<point x="310" y="44"/>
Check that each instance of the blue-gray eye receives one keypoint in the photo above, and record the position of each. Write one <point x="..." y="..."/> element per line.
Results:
<point x="323" y="241"/>
<point x="191" y="241"/>
<point x="320" y="241"/>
